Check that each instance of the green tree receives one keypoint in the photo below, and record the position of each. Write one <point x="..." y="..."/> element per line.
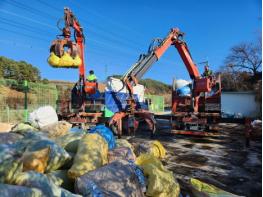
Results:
<point x="18" y="70"/>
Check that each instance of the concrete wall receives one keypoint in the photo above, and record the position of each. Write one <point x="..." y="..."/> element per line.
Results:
<point x="240" y="102"/>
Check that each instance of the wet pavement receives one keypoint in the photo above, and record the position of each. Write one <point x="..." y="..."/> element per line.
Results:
<point x="221" y="160"/>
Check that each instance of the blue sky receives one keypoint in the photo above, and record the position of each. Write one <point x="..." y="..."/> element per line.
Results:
<point x="118" y="31"/>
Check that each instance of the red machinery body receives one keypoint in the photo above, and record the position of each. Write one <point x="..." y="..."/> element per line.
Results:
<point x="185" y="110"/>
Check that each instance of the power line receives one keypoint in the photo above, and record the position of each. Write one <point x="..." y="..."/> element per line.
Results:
<point x="23" y="26"/>
<point x="29" y="8"/>
<point x="108" y="19"/>
<point x="26" y="18"/>
<point x="22" y="34"/>
<point x="21" y="45"/>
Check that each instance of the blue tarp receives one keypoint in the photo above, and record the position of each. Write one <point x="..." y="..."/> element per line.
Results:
<point x="117" y="101"/>
<point x="184" y="91"/>
<point x="106" y="133"/>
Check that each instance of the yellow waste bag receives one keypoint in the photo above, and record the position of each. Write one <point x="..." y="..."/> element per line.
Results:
<point x="36" y="160"/>
<point x="157" y="149"/>
<point x="91" y="154"/>
<point x="161" y="182"/>
<point x="77" y="61"/>
<point x="53" y="60"/>
<point x="209" y="190"/>
<point x="66" y="60"/>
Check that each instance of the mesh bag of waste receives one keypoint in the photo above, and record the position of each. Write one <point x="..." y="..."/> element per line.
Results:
<point x="57" y="129"/>
<point x="57" y="156"/>
<point x="10" y="163"/>
<point x="9" y="138"/>
<point x="92" y="154"/>
<point x="29" y="137"/>
<point x="77" y="61"/>
<point x="8" y="151"/>
<point x="66" y="60"/>
<point x="123" y="143"/>
<point x="23" y="127"/>
<point x="42" y="182"/>
<point x="204" y="189"/>
<point x="21" y="191"/>
<point x="36" y="160"/>
<point x="9" y="169"/>
<point x="121" y="153"/>
<point x="115" y="179"/>
<point x="70" y="141"/>
<point x="153" y="147"/>
<point x="60" y="178"/>
<point x="160" y="181"/>
<point x="106" y="133"/>
<point x="53" y="60"/>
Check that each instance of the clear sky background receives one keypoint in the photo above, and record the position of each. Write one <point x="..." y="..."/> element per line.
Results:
<point x="118" y="31"/>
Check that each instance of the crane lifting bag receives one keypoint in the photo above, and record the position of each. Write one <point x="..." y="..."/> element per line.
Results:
<point x="66" y="61"/>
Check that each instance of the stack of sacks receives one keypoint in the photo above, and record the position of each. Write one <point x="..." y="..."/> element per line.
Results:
<point x="66" y="61"/>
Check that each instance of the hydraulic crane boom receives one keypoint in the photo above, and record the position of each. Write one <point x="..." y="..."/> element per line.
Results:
<point x="155" y="52"/>
<point x="72" y="22"/>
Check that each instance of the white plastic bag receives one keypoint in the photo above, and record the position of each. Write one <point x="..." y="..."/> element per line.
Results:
<point x="43" y="116"/>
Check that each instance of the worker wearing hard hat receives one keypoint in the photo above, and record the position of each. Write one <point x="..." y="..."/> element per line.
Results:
<point x="207" y="72"/>
<point x="91" y="77"/>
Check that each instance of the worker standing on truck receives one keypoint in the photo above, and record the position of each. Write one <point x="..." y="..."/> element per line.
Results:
<point x="91" y="77"/>
<point x="207" y="72"/>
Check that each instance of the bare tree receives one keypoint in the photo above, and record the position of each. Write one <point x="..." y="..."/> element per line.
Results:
<point x="245" y="56"/>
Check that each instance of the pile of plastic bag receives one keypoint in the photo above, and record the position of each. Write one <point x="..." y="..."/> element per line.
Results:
<point x="47" y="158"/>
<point x="66" y="61"/>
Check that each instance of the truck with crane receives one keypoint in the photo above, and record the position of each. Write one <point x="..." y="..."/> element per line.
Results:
<point x="193" y="114"/>
<point x="81" y="108"/>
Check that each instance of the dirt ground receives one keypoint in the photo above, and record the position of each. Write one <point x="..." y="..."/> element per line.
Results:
<point x="221" y="160"/>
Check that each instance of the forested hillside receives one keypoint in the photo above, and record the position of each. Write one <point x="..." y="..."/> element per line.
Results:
<point x="18" y="70"/>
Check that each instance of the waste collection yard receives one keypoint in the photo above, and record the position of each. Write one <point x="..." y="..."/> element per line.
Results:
<point x="58" y="160"/>
<point x="152" y="127"/>
<point x="221" y="160"/>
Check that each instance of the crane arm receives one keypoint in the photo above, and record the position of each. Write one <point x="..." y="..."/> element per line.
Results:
<point x="155" y="52"/>
<point x="72" y="22"/>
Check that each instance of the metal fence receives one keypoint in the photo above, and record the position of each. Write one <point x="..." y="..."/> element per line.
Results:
<point x="12" y="99"/>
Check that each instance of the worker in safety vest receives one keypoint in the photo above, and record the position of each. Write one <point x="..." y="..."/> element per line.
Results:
<point x="207" y="72"/>
<point x="91" y="77"/>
